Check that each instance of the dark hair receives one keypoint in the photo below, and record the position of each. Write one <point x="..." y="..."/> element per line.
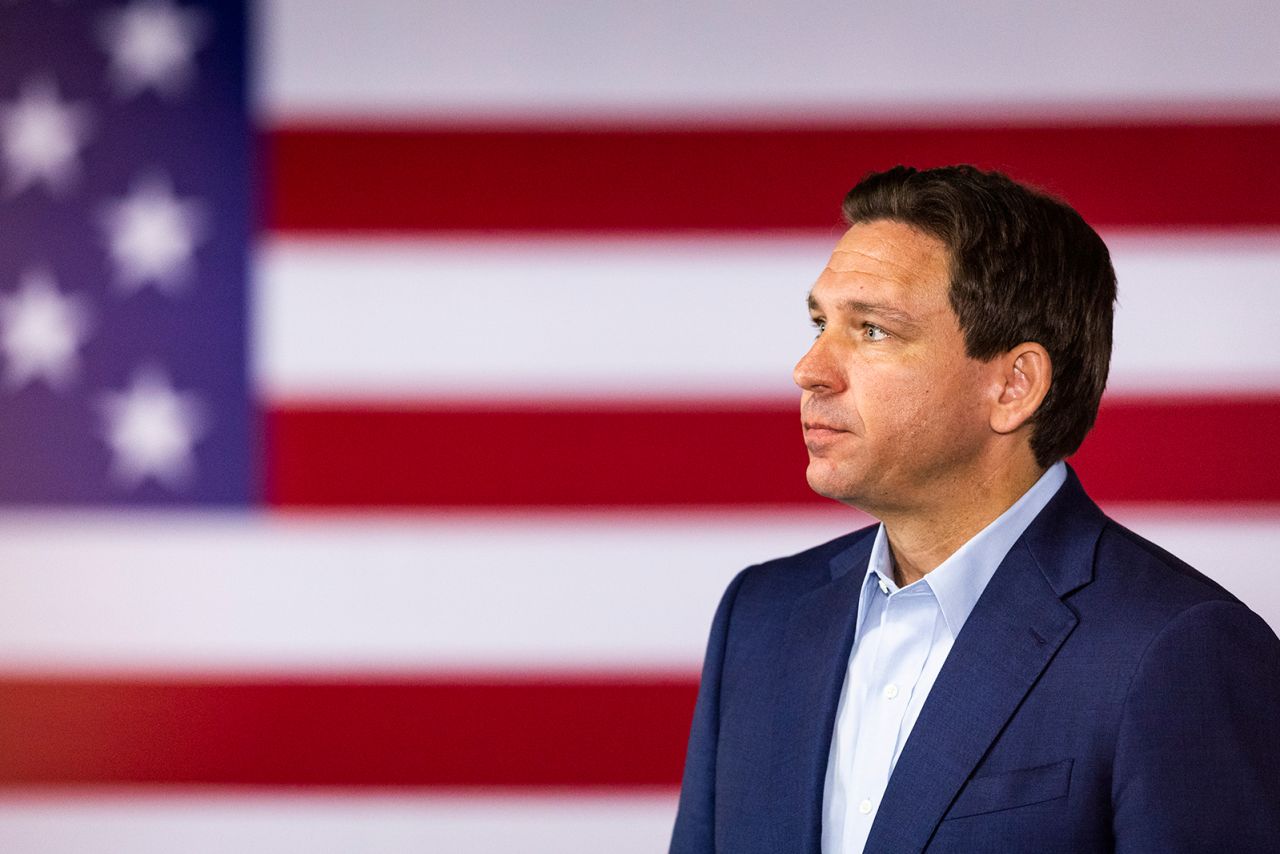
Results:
<point x="1024" y="267"/>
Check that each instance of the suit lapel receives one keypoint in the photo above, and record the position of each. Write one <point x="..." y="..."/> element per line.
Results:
<point x="1015" y="629"/>
<point x="812" y="661"/>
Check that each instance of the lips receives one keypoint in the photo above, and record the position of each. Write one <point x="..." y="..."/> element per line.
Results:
<point x="821" y="425"/>
<point x="821" y="434"/>
<point x="818" y="435"/>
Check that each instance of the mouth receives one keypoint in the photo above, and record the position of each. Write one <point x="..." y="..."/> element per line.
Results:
<point x="820" y="430"/>
<point x="821" y="425"/>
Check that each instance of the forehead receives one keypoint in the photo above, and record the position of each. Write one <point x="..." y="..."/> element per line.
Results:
<point x="890" y="259"/>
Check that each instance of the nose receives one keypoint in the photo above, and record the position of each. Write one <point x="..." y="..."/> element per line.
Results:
<point x="818" y="370"/>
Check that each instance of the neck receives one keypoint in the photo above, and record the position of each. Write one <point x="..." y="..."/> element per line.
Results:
<point x="922" y="538"/>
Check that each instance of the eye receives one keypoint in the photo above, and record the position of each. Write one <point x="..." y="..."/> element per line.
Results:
<point x="819" y="324"/>
<point x="875" y="333"/>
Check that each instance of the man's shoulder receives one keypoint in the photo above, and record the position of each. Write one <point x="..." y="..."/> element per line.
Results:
<point x="1143" y="590"/>
<point x="796" y="574"/>
<point x="1105" y="571"/>
<point x="1126" y="558"/>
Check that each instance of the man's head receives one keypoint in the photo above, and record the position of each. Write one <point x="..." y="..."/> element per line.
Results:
<point x="965" y="320"/>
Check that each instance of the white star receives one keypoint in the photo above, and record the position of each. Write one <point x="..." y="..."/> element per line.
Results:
<point x="152" y="235"/>
<point x="152" y="45"/>
<point x="152" y="431"/>
<point x="42" y="137"/>
<point x="40" y="332"/>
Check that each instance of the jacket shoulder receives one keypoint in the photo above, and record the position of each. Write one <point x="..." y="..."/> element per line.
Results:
<point x="1140" y="589"/>
<point x="1158" y="575"/>
<point x="784" y="578"/>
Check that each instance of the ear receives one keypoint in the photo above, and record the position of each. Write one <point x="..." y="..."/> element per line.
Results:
<point x="1025" y="373"/>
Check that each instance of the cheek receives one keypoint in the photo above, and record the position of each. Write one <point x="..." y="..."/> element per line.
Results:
<point x="899" y="399"/>
<point x="932" y="407"/>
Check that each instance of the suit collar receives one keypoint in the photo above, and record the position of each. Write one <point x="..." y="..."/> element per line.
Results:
<point x="958" y="581"/>
<point x="1064" y="536"/>
<point x="856" y="556"/>
<point x="1013" y="633"/>
<point x="814" y="654"/>
<point x="1015" y="630"/>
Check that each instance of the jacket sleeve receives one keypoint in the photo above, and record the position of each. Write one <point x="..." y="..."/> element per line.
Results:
<point x="695" y="820"/>
<point x="1197" y="766"/>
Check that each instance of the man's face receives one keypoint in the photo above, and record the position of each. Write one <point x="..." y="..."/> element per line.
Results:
<point x="894" y="412"/>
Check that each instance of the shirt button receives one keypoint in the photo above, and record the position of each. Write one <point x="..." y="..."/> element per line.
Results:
<point x="890" y="692"/>
<point x="864" y="807"/>
<point x="884" y="586"/>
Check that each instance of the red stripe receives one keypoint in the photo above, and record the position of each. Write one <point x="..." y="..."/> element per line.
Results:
<point x="1219" y="450"/>
<point x="412" y="179"/>
<point x="1203" y="450"/>
<point x="581" y="733"/>
<point x="615" y="455"/>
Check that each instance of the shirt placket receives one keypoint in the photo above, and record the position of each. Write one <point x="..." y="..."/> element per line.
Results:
<point x="902" y="647"/>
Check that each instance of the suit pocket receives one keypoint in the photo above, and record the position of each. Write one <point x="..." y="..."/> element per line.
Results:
<point x="1010" y="789"/>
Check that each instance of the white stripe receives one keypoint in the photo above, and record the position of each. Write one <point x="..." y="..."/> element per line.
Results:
<point x="503" y="58"/>
<point x="376" y="593"/>
<point x="716" y="317"/>
<point x="1193" y="311"/>
<point x="554" y="591"/>
<point x="492" y="319"/>
<point x="277" y="822"/>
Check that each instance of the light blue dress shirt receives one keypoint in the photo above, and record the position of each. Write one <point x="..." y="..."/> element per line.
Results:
<point x="903" y="637"/>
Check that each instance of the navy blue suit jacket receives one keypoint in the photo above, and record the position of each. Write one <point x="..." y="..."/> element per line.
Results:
<point x="1102" y="696"/>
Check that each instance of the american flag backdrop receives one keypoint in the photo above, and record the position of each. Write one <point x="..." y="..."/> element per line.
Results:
<point x="388" y="390"/>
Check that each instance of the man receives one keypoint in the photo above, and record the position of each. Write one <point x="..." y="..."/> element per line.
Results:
<point x="997" y="666"/>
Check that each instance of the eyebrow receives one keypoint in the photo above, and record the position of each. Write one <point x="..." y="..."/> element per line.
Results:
<point x="859" y="307"/>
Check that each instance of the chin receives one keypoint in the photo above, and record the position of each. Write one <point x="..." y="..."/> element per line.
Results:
<point x="829" y="483"/>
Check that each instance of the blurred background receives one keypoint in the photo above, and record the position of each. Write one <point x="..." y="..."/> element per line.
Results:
<point x="390" y="389"/>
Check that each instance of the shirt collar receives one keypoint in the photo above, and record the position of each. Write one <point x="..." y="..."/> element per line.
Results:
<point x="960" y="579"/>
